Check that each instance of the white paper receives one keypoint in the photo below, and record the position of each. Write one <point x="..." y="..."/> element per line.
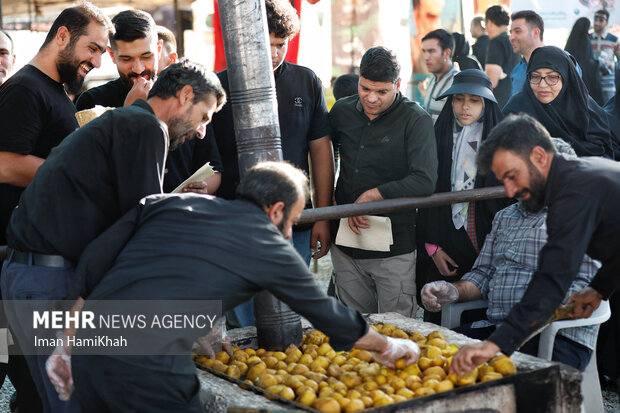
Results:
<point x="376" y="238"/>
<point x="203" y="173"/>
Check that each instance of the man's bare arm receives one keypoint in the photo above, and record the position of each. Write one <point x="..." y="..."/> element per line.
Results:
<point x="467" y="291"/>
<point x="494" y="72"/>
<point x="17" y="169"/>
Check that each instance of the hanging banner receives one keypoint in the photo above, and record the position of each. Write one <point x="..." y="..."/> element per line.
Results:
<point x="563" y="13"/>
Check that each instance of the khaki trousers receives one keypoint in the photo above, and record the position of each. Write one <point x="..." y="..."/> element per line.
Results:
<point x="380" y="285"/>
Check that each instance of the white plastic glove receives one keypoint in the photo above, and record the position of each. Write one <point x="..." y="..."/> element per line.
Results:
<point x="216" y="341"/>
<point x="58" y="368"/>
<point x="398" y="348"/>
<point x="436" y="293"/>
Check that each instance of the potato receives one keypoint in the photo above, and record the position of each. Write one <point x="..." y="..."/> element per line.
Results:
<point x="256" y="370"/>
<point x="505" y="367"/>
<point x="492" y="375"/>
<point x="444" y="385"/>
<point x="327" y="406"/>
<point x="423" y="391"/>
<point x="354" y="405"/>
<point x="307" y="398"/>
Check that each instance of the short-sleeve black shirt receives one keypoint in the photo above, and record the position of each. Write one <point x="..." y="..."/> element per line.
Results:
<point x="500" y="53"/>
<point x="188" y="157"/>
<point x="302" y="114"/>
<point x="89" y="181"/>
<point x="479" y="49"/>
<point x="35" y="115"/>
<point x="111" y="94"/>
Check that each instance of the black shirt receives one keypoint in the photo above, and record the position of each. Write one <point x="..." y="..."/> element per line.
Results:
<point x="183" y="161"/>
<point x="500" y="53"/>
<point x="190" y="156"/>
<point x="89" y="181"/>
<point x="111" y="94"/>
<point x="302" y="115"/>
<point x="36" y="114"/>
<point x="479" y="49"/>
<point x="583" y="196"/>
<point x="193" y="247"/>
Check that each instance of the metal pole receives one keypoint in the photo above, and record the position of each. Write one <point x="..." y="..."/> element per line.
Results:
<point x="178" y="25"/>
<point x="255" y="113"/>
<point x="252" y="86"/>
<point x="400" y="204"/>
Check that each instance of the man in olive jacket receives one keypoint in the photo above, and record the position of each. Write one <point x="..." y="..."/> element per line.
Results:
<point x="387" y="147"/>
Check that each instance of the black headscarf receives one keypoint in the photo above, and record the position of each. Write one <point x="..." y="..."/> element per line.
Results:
<point x="573" y="115"/>
<point x="461" y="55"/>
<point x="580" y="47"/>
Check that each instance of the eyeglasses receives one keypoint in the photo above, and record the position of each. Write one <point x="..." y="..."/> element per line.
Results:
<point x="601" y="18"/>
<point x="550" y="80"/>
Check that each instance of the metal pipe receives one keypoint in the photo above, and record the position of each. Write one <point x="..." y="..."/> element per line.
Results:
<point x="252" y="86"/>
<point x="252" y="96"/>
<point x="400" y="204"/>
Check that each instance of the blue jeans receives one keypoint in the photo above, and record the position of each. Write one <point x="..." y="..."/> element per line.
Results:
<point x="30" y="282"/>
<point x="564" y="350"/>
<point x="244" y="313"/>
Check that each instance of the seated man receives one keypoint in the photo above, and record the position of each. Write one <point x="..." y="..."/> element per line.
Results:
<point x="503" y="271"/>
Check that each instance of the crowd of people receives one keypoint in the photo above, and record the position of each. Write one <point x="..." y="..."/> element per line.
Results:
<point x="86" y="215"/>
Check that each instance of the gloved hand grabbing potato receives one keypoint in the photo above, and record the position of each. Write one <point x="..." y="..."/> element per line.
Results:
<point x="397" y="348"/>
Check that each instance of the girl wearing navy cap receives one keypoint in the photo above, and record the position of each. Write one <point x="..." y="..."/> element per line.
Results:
<point x="454" y="234"/>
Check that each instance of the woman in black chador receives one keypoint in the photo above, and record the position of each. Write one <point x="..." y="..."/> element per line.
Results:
<point x="453" y="234"/>
<point x="557" y="97"/>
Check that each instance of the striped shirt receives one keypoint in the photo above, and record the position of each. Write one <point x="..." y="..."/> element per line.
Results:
<point x="436" y="87"/>
<point x="605" y="48"/>
<point x="509" y="258"/>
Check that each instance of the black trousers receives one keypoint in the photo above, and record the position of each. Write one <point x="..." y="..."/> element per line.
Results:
<point x="104" y="384"/>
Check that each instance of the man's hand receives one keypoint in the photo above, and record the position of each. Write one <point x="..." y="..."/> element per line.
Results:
<point x="140" y="90"/>
<point x="198" y="187"/>
<point x="216" y="341"/>
<point x="397" y="348"/>
<point x="355" y="223"/>
<point x="436" y="293"/>
<point x="320" y="234"/>
<point x="586" y="301"/>
<point x="472" y="355"/>
<point x="58" y="368"/>
<point x="441" y="260"/>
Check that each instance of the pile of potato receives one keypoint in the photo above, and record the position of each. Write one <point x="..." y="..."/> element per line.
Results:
<point x="315" y="375"/>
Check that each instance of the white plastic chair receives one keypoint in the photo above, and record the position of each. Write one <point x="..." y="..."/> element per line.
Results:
<point x="590" y="385"/>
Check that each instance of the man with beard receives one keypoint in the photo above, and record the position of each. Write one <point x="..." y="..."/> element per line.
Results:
<point x="194" y="247"/>
<point x="7" y="55"/>
<point x="582" y="196"/>
<point x="135" y="49"/>
<point x="36" y="115"/>
<point x="89" y="181"/>
<point x="502" y="272"/>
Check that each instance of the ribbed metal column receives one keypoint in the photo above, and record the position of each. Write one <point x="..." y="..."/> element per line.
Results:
<point x="257" y="130"/>
<point x="252" y="87"/>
